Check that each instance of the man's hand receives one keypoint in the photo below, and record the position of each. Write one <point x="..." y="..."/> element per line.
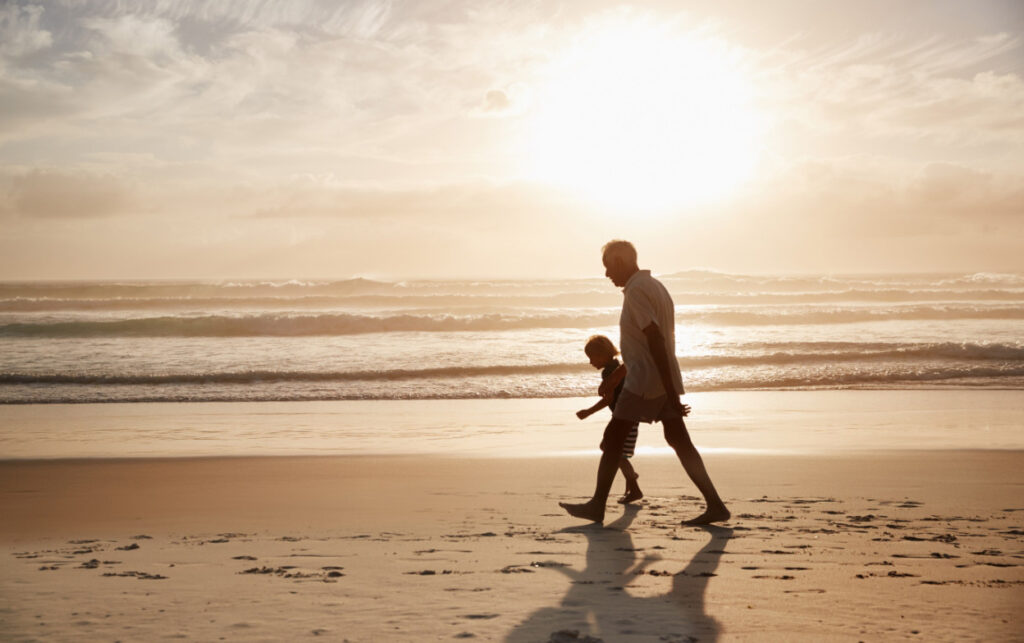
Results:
<point x="674" y="403"/>
<point x="583" y="414"/>
<point x="684" y="409"/>
<point x="610" y="383"/>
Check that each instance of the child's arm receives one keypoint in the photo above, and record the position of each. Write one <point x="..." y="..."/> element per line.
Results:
<point x="585" y="413"/>
<point x="611" y="382"/>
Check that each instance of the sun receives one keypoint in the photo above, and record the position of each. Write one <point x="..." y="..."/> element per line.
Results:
<point x="639" y="116"/>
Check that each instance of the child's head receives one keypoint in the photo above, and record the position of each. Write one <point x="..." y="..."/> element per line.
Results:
<point x="600" y="350"/>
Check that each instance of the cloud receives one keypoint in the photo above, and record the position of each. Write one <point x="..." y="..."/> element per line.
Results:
<point x="20" y="33"/>
<point x="246" y="76"/>
<point x="374" y="118"/>
<point x="51" y="194"/>
<point x="884" y="87"/>
<point x="496" y="101"/>
<point x="133" y="36"/>
<point x="468" y="204"/>
<point x="513" y="100"/>
<point x="875" y="198"/>
<point x="959" y="189"/>
<point x="359" y="18"/>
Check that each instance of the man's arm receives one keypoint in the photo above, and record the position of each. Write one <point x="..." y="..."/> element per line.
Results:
<point x="659" y="351"/>
<point x="610" y="383"/>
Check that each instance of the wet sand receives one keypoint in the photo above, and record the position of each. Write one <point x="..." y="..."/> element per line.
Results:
<point x="925" y="545"/>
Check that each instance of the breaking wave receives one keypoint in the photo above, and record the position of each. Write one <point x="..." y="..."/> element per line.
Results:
<point x="230" y="390"/>
<point x="1003" y="358"/>
<point x="300" y="325"/>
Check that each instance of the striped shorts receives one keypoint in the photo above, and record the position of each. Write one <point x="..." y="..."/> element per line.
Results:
<point x="629" y="446"/>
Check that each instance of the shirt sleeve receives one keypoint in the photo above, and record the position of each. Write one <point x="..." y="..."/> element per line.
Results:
<point x="640" y="309"/>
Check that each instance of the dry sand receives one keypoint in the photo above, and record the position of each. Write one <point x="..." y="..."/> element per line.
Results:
<point x="894" y="545"/>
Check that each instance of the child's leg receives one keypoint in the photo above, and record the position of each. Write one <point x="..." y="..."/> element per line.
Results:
<point x="632" y="488"/>
<point x="628" y="472"/>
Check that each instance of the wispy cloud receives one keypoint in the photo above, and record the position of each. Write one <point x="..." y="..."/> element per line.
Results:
<point x="49" y="194"/>
<point x="883" y="86"/>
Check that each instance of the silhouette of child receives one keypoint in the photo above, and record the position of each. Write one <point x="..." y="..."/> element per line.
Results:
<point x="601" y="352"/>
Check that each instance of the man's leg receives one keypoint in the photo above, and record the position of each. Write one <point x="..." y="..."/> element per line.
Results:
<point x="679" y="439"/>
<point x="611" y="450"/>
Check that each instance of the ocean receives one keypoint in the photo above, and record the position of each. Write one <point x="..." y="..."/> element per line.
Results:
<point x="360" y="339"/>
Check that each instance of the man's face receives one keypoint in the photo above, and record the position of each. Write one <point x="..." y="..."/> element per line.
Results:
<point x="616" y="270"/>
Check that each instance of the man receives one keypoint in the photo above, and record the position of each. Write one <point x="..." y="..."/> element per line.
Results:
<point x="652" y="387"/>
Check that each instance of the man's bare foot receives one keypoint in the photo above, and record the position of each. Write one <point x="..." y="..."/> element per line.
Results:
<point x="586" y="511"/>
<point x="716" y="514"/>
<point x="631" y="496"/>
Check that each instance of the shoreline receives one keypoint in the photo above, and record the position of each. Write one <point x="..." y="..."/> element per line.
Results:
<point x="760" y="421"/>
<point x="908" y="387"/>
<point x="593" y="454"/>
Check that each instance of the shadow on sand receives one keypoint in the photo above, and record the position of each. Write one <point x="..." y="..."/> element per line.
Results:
<point x="599" y="603"/>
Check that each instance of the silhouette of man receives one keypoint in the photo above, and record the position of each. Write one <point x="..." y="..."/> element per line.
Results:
<point x="652" y="387"/>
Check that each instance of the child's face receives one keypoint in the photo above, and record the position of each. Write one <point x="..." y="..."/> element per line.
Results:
<point x="598" y="358"/>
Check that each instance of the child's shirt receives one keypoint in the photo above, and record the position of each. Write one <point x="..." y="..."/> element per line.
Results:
<point x="605" y="374"/>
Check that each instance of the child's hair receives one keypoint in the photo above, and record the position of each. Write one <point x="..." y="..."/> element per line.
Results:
<point x="600" y="343"/>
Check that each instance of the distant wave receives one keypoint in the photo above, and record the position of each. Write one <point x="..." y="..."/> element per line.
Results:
<point x="838" y="352"/>
<point x="966" y="376"/>
<point x="293" y="325"/>
<point x="815" y="282"/>
<point x="704" y="286"/>
<point x="583" y="298"/>
<point x="159" y="289"/>
<point x="848" y="315"/>
<point x="438" y="302"/>
<point x="250" y="377"/>
<point x="299" y="325"/>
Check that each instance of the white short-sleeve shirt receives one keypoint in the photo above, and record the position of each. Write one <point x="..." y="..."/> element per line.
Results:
<point x="646" y="300"/>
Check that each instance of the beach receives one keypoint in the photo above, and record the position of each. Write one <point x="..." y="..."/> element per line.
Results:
<point x="866" y="540"/>
<point x="364" y="460"/>
<point x="314" y="315"/>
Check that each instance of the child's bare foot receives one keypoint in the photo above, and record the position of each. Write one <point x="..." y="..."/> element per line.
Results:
<point x="631" y="495"/>
<point x="713" y="514"/>
<point x="587" y="511"/>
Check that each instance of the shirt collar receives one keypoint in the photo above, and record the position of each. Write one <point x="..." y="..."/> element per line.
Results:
<point x="638" y="274"/>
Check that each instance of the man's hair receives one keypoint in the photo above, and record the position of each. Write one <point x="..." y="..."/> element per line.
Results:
<point x="619" y="249"/>
<point x="600" y="343"/>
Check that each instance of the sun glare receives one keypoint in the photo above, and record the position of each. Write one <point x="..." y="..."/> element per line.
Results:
<point x="636" y="116"/>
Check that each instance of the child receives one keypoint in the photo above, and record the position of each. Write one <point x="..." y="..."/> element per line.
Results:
<point x="602" y="352"/>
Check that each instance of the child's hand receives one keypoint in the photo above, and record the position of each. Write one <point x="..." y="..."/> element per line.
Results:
<point x="583" y="414"/>
<point x="686" y="410"/>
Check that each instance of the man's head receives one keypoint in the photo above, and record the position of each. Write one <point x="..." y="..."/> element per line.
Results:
<point x="619" y="258"/>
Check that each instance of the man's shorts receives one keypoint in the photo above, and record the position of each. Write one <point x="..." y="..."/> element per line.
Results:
<point x="634" y="408"/>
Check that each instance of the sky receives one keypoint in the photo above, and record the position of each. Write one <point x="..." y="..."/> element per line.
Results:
<point x="425" y="139"/>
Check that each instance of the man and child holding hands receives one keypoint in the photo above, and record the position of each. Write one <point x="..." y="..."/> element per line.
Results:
<point x="646" y="388"/>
